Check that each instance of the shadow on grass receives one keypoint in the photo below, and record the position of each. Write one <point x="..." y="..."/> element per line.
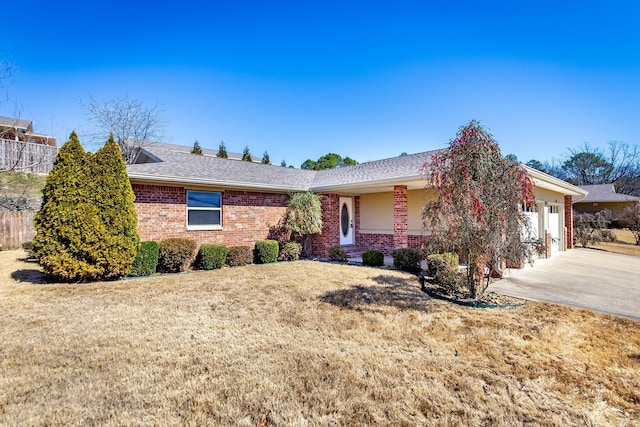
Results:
<point x="390" y="291"/>
<point x="29" y="275"/>
<point x="635" y="357"/>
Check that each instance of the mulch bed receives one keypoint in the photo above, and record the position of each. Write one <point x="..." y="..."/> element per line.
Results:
<point x="461" y="296"/>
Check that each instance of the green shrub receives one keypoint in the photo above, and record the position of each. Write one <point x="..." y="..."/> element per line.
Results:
<point x="146" y="260"/>
<point x="336" y="253"/>
<point x="406" y="260"/>
<point x="373" y="258"/>
<point x="175" y="255"/>
<point x="266" y="251"/>
<point x="290" y="251"/>
<point x="444" y="269"/>
<point x="211" y="256"/>
<point x="239" y="255"/>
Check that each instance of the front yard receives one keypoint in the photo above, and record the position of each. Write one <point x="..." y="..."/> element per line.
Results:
<point x="314" y="343"/>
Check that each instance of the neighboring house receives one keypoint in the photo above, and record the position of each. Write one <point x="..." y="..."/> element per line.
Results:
<point x="601" y="197"/>
<point x="21" y="149"/>
<point x="373" y="205"/>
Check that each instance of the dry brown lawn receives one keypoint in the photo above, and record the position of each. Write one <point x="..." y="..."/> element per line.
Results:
<point x="314" y="343"/>
<point x="625" y="244"/>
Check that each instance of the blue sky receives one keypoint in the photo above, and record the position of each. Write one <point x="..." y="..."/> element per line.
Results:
<point x="367" y="80"/>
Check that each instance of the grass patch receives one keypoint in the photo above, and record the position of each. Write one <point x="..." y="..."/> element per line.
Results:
<point x="22" y="183"/>
<point x="625" y="244"/>
<point x="314" y="343"/>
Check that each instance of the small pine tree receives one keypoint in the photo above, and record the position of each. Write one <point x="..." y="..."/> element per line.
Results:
<point x="196" y="148"/>
<point x="265" y="158"/>
<point x="110" y="191"/>
<point x="246" y="155"/>
<point x="222" y="151"/>
<point x="283" y="164"/>
<point x="67" y="225"/>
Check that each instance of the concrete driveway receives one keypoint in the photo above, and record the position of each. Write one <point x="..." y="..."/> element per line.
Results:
<point x="586" y="278"/>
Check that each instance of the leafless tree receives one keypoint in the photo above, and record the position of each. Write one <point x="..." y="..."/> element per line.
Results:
<point x="619" y="162"/>
<point x="132" y="124"/>
<point x="7" y="69"/>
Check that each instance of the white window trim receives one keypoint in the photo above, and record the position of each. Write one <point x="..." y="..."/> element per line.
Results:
<point x="202" y="227"/>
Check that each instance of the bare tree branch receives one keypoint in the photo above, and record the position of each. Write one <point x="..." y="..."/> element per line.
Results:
<point x="132" y="124"/>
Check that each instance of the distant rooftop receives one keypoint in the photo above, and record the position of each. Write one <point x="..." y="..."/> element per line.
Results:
<point x="604" y="193"/>
<point x="15" y="123"/>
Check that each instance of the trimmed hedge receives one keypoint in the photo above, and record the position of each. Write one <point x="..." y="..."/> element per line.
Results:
<point x="211" y="256"/>
<point x="290" y="251"/>
<point x="444" y="268"/>
<point x="239" y="255"/>
<point x="373" y="258"/>
<point x="266" y="251"/>
<point x="336" y="253"/>
<point x="146" y="261"/>
<point x="406" y="260"/>
<point x="175" y="255"/>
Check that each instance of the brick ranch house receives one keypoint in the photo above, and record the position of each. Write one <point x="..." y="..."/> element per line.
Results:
<point x="372" y="205"/>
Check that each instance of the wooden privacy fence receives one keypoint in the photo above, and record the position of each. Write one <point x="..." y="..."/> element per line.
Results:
<point x="16" y="228"/>
<point x="26" y="156"/>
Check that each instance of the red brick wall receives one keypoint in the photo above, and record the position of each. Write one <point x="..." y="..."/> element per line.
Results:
<point x="400" y="217"/>
<point x="330" y="204"/>
<point x="246" y="216"/>
<point x="568" y="221"/>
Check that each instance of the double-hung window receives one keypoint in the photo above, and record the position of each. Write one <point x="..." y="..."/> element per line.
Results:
<point x="204" y="210"/>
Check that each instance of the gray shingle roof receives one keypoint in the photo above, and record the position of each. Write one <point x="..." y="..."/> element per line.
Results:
<point x="394" y="168"/>
<point x="15" y="123"/>
<point x="179" y="165"/>
<point x="190" y="168"/>
<point x="604" y="193"/>
<point x="156" y="147"/>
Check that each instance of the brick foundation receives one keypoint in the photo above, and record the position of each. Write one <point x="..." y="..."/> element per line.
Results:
<point x="246" y="216"/>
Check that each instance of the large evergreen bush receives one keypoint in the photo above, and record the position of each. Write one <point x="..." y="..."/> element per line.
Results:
<point x="86" y="228"/>
<point x="67" y="225"/>
<point x="110" y="191"/>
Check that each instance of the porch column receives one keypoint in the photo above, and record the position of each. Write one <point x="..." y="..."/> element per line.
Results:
<point x="400" y="222"/>
<point x="568" y="221"/>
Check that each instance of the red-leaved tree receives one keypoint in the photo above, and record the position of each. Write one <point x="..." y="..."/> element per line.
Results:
<point x="478" y="212"/>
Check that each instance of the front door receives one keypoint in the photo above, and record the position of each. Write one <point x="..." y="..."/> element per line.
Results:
<point x="346" y="221"/>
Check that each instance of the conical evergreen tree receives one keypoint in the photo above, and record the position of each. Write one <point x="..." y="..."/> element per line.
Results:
<point x="196" y="148"/>
<point x="222" y="151"/>
<point x="110" y="191"/>
<point x="265" y="158"/>
<point x="246" y="155"/>
<point x="67" y="226"/>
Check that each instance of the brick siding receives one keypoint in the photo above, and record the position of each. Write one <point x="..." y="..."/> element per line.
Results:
<point x="400" y="217"/>
<point x="330" y="205"/>
<point x="246" y="216"/>
<point x="568" y="221"/>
